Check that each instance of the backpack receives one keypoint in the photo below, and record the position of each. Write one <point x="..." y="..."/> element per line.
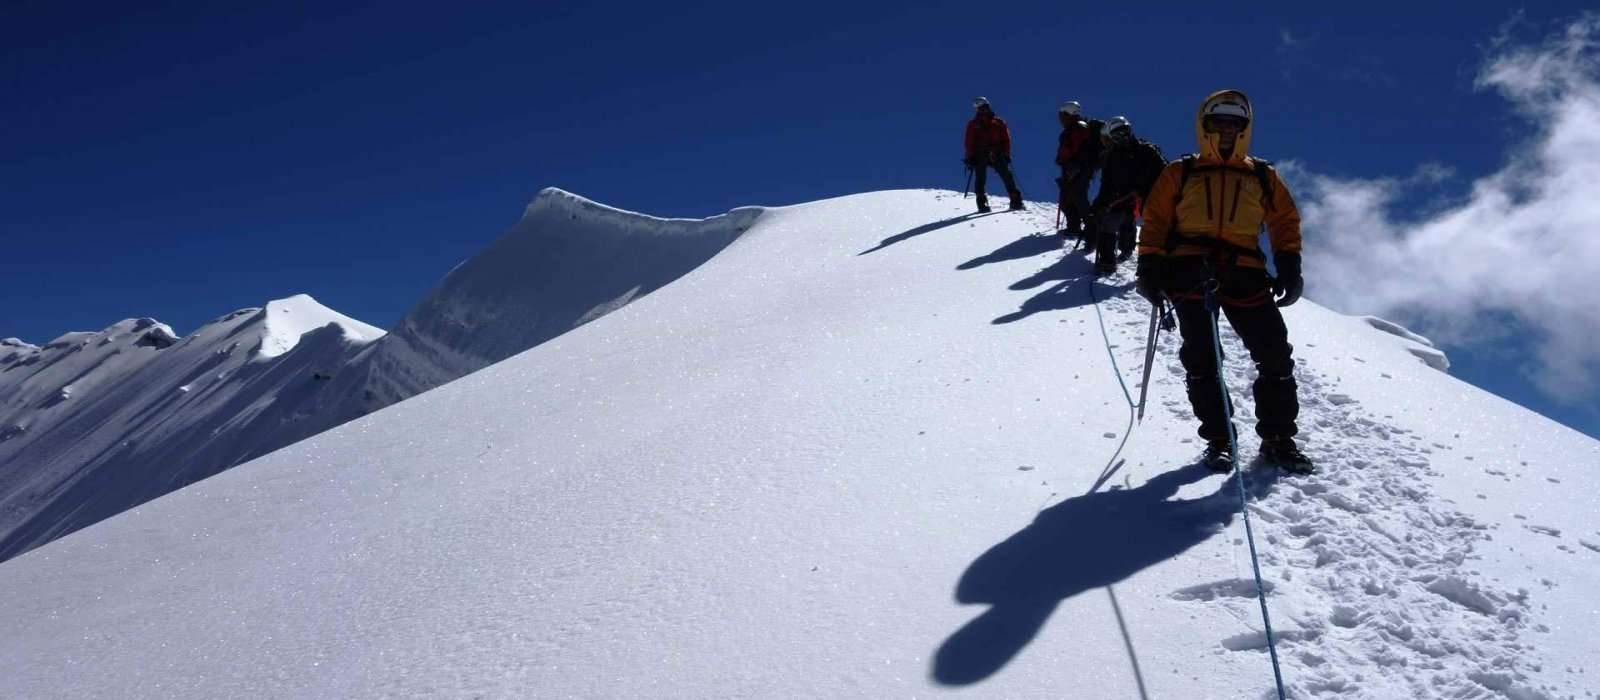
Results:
<point x="1151" y="163"/>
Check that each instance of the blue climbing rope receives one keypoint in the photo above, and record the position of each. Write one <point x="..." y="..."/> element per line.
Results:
<point x="1128" y="429"/>
<point x="1244" y="498"/>
<point x="1110" y="468"/>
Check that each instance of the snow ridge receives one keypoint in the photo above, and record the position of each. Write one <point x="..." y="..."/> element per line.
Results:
<point x="125" y="419"/>
<point x="94" y="423"/>
<point x="568" y="262"/>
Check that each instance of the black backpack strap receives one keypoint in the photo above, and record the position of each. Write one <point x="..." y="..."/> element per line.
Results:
<point x="1264" y="175"/>
<point x="1186" y="166"/>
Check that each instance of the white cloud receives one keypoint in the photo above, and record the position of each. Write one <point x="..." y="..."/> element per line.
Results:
<point x="1287" y="39"/>
<point x="1520" y="254"/>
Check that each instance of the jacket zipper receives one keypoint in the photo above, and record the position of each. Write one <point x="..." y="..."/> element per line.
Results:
<point x="1208" y="196"/>
<point x="1234" y="213"/>
<point x="1222" y="199"/>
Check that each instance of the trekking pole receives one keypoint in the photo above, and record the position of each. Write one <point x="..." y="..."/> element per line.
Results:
<point x="967" y="186"/>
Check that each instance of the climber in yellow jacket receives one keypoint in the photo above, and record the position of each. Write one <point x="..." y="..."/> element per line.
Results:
<point x="1201" y="227"/>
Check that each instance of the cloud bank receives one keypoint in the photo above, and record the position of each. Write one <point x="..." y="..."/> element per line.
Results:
<point x="1519" y="255"/>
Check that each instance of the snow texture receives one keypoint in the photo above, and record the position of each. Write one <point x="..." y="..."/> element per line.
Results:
<point x="247" y="384"/>
<point x="856" y="453"/>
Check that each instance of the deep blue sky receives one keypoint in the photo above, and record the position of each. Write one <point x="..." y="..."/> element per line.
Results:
<point x="180" y="160"/>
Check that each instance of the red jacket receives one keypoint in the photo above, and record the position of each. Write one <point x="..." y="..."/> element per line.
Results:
<point x="992" y="137"/>
<point x="1071" y="143"/>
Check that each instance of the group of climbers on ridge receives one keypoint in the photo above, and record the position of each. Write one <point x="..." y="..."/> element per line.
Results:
<point x="1198" y="247"/>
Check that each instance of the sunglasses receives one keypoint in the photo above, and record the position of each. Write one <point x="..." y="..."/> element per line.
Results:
<point x="1218" y="122"/>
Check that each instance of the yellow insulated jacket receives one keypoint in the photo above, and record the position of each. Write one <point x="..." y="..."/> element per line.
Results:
<point x="1223" y="200"/>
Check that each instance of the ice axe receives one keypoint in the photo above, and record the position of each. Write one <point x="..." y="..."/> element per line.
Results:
<point x="1159" y="321"/>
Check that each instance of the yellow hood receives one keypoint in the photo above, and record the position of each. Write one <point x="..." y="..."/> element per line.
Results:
<point x="1208" y="142"/>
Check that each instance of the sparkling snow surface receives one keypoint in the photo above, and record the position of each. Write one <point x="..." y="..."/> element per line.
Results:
<point x="870" y="449"/>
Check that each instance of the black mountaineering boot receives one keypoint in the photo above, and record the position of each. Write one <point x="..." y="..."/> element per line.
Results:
<point x="983" y="207"/>
<point x="1016" y="201"/>
<point x="1218" y="456"/>
<point x="1282" y="452"/>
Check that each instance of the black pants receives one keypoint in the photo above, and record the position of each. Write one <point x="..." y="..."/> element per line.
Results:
<point x="981" y="178"/>
<point x="1075" y="197"/>
<point x="1265" y="336"/>
<point x="1109" y="227"/>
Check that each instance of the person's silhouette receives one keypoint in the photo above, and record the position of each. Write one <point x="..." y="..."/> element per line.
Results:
<point x="1085" y="542"/>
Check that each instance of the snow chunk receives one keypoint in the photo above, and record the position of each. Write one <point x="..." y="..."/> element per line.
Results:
<point x="1396" y="329"/>
<point x="158" y="337"/>
<point x="285" y="320"/>
<point x="1418" y="345"/>
<point x="1465" y="593"/>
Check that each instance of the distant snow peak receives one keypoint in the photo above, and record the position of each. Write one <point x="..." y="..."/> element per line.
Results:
<point x="12" y="349"/>
<point x="285" y="321"/>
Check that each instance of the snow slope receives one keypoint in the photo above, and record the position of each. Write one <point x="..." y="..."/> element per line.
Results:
<point x="568" y="261"/>
<point x="874" y="447"/>
<point x="94" y="423"/>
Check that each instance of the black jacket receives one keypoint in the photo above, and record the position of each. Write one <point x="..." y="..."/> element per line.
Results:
<point x="1128" y="167"/>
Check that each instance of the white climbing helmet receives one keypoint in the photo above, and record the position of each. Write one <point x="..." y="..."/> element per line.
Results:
<point x="1230" y="104"/>
<point x="1119" y="122"/>
<point x="979" y="102"/>
<point x="1072" y="109"/>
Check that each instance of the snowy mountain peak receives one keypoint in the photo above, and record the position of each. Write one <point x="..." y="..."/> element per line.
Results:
<point x="12" y="349"/>
<point x="284" y="321"/>
<point x="566" y="262"/>
<point x="134" y="331"/>
<point x="96" y="422"/>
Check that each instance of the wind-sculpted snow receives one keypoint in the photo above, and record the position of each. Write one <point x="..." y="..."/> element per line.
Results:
<point x="94" y="423"/>
<point x="876" y="447"/>
<point x="566" y="263"/>
<point x="114" y="422"/>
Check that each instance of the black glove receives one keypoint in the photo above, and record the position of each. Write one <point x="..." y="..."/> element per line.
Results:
<point x="970" y="161"/>
<point x="1288" y="285"/>
<point x="1150" y="277"/>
